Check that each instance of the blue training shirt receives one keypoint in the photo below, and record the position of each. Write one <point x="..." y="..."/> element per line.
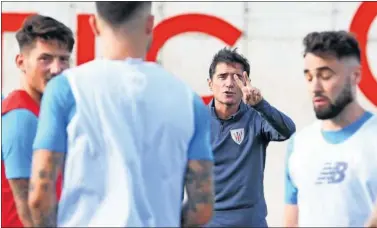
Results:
<point x="124" y="135"/>
<point x="331" y="175"/>
<point x="332" y="137"/>
<point x="19" y="127"/>
<point x="60" y="106"/>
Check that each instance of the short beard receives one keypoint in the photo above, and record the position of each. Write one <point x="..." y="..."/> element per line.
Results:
<point x="337" y="107"/>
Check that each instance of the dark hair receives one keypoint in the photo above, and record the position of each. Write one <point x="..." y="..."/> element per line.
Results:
<point x="227" y="55"/>
<point x="45" y="28"/>
<point x="336" y="43"/>
<point x="117" y="13"/>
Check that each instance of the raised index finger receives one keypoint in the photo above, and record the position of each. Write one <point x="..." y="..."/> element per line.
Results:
<point x="246" y="78"/>
<point x="239" y="82"/>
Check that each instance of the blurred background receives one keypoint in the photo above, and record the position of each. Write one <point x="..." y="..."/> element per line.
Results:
<point x="269" y="34"/>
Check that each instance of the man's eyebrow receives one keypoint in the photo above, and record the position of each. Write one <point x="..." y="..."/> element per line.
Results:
<point x="51" y="55"/>
<point x="324" y="68"/>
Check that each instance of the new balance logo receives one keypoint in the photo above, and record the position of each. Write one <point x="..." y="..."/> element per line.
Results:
<point x="332" y="173"/>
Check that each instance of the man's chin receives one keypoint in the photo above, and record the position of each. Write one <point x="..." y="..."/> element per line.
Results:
<point x="324" y="114"/>
<point x="230" y="102"/>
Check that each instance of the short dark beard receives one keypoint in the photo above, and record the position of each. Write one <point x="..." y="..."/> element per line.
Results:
<point x="337" y="107"/>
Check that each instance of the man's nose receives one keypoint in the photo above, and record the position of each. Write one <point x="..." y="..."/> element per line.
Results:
<point x="230" y="82"/>
<point x="316" y="86"/>
<point x="57" y="67"/>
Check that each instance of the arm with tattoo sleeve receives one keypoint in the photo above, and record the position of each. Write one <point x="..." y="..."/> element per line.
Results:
<point x="20" y="189"/>
<point x="42" y="193"/>
<point x="50" y="146"/>
<point x="199" y="176"/>
<point x="199" y="186"/>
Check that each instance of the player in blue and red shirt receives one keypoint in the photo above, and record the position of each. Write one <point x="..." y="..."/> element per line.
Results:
<point x="45" y="48"/>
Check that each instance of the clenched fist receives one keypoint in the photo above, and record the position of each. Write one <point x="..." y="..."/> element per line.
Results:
<point x="250" y="95"/>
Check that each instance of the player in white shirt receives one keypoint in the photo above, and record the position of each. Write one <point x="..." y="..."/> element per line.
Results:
<point x="331" y="173"/>
<point x="129" y="133"/>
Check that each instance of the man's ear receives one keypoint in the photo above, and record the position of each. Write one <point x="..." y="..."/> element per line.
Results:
<point x="209" y="81"/>
<point x="20" y="62"/>
<point x="356" y="75"/>
<point x="93" y="22"/>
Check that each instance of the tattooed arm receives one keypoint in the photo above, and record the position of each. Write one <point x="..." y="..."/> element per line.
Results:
<point x="198" y="209"/>
<point x="20" y="188"/>
<point x="42" y="194"/>
<point x="49" y="146"/>
<point x="198" y="177"/>
<point x="16" y="154"/>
